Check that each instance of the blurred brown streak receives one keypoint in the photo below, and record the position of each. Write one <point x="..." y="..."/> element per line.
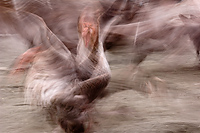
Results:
<point x="7" y="3"/>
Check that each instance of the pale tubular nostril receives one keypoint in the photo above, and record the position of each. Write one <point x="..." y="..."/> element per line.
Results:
<point x="91" y="31"/>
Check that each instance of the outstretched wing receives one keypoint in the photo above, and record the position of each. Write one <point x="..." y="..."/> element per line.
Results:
<point x="53" y="66"/>
<point x="32" y="29"/>
<point x="59" y="15"/>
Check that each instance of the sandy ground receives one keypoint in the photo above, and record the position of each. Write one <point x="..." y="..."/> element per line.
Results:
<point x="160" y="96"/>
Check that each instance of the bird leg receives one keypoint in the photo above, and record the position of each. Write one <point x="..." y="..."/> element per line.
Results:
<point x="25" y="59"/>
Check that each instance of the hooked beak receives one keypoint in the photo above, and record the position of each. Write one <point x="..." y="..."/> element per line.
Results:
<point x="89" y="36"/>
<point x="86" y="38"/>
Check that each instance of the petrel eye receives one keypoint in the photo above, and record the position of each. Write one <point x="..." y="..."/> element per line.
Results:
<point x="69" y="108"/>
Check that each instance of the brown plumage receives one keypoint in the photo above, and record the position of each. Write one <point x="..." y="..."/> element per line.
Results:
<point x="65" y="84"/>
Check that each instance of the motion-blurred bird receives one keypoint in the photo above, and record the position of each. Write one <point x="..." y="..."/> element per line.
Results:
<point x="64" y="84"/>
